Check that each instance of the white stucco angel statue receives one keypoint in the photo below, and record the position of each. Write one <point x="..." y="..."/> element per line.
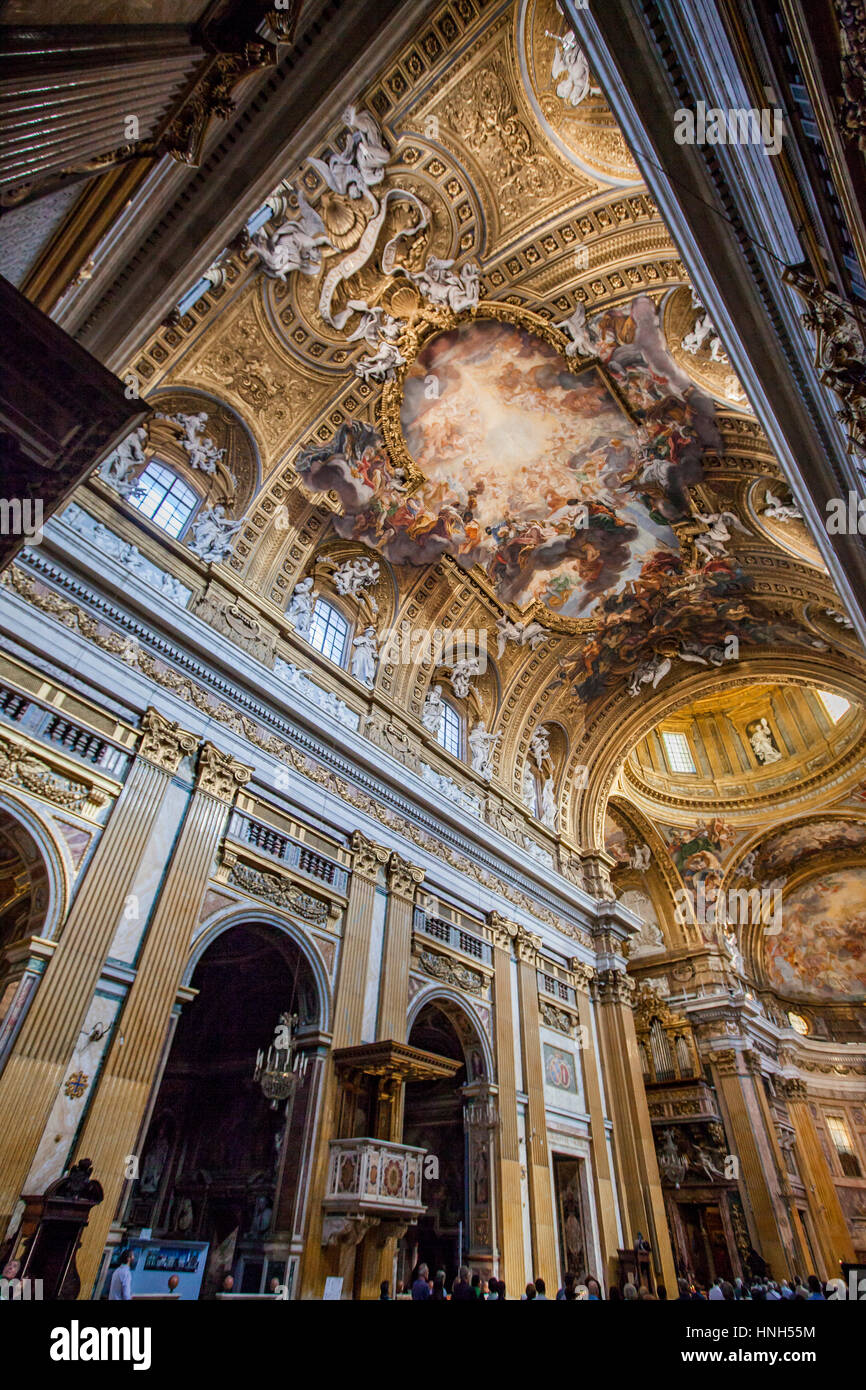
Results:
<point x="577" y="329"/>
<point x="301" y="606"/>
<point x="360" y="163"/>
<point x="365" y="652"/>
<point x="481" y="746"/>
<point x="293" y="246"/>
<point x="203" y="452"/>
<point x="461" y="675"/>
<point x="530" y="634"/>
<point x="433" y="712"/>
<point x="128" y="455"/>
<point x="442" y="285"/>
<point x="571" y="66"/>
<point x="214" y="535"/>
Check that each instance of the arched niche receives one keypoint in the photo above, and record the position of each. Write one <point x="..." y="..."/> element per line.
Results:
<point x="220" y="1162"/>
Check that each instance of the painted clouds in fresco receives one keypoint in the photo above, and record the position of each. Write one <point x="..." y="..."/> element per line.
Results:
<point x="821" y="950"/>
<point x="533" y="470"/>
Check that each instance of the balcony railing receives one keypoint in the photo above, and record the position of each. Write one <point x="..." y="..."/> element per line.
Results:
<point x="455" y="937"/>
<point x="294" y="853"/>
<point x="557" y="989"/>
<point x="372" y="1177"/>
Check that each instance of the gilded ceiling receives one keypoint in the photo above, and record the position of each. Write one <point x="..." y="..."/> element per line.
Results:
<point x="459" y="340"/>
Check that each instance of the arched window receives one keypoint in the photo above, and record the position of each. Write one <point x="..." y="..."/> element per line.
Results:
<point x="164" y="498"/>
<point x="329" y="632"/>
<point x="450" y="733"/>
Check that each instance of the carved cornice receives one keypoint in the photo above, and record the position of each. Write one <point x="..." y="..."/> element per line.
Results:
<point x="403" y="877"/>
<point x="164" y="742"/>
<point x="368" y="857"/>
<point x="220" y="774"/>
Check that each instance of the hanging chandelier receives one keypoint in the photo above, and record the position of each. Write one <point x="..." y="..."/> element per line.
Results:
<point x="280" y="1072"/>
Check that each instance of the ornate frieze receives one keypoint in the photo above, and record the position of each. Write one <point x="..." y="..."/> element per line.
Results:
<point x="280" y="891"/>
<point x="220" y="774"/>
<point x="451" y="972"/>
<point x="556" y="1018"/>
<point x="21" y="767"/>
<point x="164" y="742"/>
<point x="237" y="621"/>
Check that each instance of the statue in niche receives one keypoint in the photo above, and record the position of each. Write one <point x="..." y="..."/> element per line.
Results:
<point x="548" y="804"/>
<point x="433" y="711"/>
<point x="301" y="606"/>
<point x="573" y="1234"/>
<point x="763" y="743"/>
<point x="364" y="656"/>
<point x="480" y="1185"/>
<point x="481" y="747"/>
<point x="184" y="1218"/>
<point x="154" y="1161"/>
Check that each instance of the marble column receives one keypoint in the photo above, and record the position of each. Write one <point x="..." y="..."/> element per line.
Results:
<point x="602" y="1174"/>
<point x="822" y="1197"/>
<point x="641" y="1200"/>
<point x="113" y="1125"/>
<point x="318" y="1261"/>
<point x="35" y="1069"/>
<point x="403" y="879"/>
<point x="542" y="1222"/>
<point x="756" y="1146"/>
<point x="508" y="1188"/>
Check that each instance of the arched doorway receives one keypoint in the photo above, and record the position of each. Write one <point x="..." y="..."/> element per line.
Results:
<point x="451" y="1118"/>
<point x="221" y="1163"/>
<point x="29" y="908"/>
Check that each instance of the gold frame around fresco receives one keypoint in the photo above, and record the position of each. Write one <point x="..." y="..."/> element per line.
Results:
<point x="426" y="322"/>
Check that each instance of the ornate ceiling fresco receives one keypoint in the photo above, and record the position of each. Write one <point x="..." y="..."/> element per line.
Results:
<point x="461" y="342"/>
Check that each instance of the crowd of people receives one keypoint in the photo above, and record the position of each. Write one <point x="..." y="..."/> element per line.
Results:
<point x="469" y="1287"/>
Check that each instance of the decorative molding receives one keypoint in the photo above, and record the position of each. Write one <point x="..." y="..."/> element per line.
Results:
<point x="280" y="892"/>
<point x="451" y="972"/>
<point x="555" y="1018"/>
<point x="21" y="767"/>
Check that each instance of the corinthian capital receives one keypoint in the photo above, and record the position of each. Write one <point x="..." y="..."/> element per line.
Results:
<point x="615" y="987"/>
<point x="164" y="742"/>
<point x="368" y="857"/>
<point x="403" y="877"/>
<point x="220" y="774"/>
<point x="502" y="931"/>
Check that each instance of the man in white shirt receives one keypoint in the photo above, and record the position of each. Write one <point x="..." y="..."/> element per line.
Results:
<point x="121" y="1279"/>
<point x="715" y="1294"/>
